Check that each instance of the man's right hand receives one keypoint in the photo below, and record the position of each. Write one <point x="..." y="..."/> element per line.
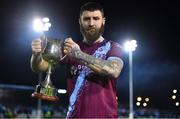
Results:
<point x="36" y="46"/>
<point x="37" y="62"/>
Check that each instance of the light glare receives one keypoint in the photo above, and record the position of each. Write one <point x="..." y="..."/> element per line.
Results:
<point x="173" y="97"/>
<point x="175" y="91"/>
<point x="139" y="98"/>
<point x="62" y="91"/>
<point x="177" y="103"/>
<point x="47" y="24"/>
<point x="130" y="45"/>
<point x="146" y="99"/>
<point x="138" y="103"/>
<point x="144" y="104"/>
<point x="41" y="25"/>
<point x="38" y="25"/>
<point x="45" y="19"/>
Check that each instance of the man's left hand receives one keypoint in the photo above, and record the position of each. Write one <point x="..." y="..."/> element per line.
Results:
<point x="70" y="47"/>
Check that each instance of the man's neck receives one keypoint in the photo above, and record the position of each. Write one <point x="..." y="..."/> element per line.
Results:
<point x="100" y="39"/>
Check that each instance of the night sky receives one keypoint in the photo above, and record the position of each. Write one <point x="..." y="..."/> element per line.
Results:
<point x="155" y="26"/>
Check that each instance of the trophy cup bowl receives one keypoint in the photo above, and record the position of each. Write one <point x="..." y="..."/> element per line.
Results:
<point x="52" y="53"/>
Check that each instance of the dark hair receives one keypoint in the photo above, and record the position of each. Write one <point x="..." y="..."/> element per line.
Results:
<point x="91" y="6"/>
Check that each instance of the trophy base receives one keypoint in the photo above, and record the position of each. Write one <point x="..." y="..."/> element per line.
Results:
<point x="44" y="97"/>
<point x="45" y="93"/>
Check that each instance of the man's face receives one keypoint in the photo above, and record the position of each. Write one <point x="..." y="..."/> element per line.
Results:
<point x="92" y="25"/>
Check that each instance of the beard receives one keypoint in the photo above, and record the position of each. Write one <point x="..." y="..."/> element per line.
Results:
<point x="91" y="33"/>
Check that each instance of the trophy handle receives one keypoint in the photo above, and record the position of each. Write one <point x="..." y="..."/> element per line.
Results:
<point x="62" y="45"/>
<point x="61" y="59"/>
<point x="44" y="42"/>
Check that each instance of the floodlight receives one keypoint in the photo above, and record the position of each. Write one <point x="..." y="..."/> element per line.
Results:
<point x="38" y="25"/>
<point x="41" y="25"/>
<point x="175" y="91"/>
<point x="139" y="98"/>
<point x="130" y="45"/>
<point x="147" y="99"/>
<point x="173" y="97"/>
<point x="138" y="103"/>
<point x="144" y="104"/>
<point x="177" y="103"/>
<point x="45" y="19"/>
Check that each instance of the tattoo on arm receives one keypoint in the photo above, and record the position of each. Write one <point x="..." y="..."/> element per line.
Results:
<point x="110" y="68"/>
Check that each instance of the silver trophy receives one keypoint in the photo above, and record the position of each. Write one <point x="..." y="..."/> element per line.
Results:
<point x="52" y="53"/>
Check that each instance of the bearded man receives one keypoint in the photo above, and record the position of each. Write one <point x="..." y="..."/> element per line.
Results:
<point x="94" y="66"/>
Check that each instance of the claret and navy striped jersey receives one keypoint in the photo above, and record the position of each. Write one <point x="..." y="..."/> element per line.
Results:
<point x="90" y="94"/>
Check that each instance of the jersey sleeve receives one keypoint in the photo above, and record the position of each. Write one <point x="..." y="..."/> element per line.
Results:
<point x="115" y="51"/>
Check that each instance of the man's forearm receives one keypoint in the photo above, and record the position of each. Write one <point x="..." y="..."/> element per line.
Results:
<point x="38" y="64"/>
<point x="103" y="67"/>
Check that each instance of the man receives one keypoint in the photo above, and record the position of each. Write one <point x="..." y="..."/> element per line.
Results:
<point x="93" y="67"/>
